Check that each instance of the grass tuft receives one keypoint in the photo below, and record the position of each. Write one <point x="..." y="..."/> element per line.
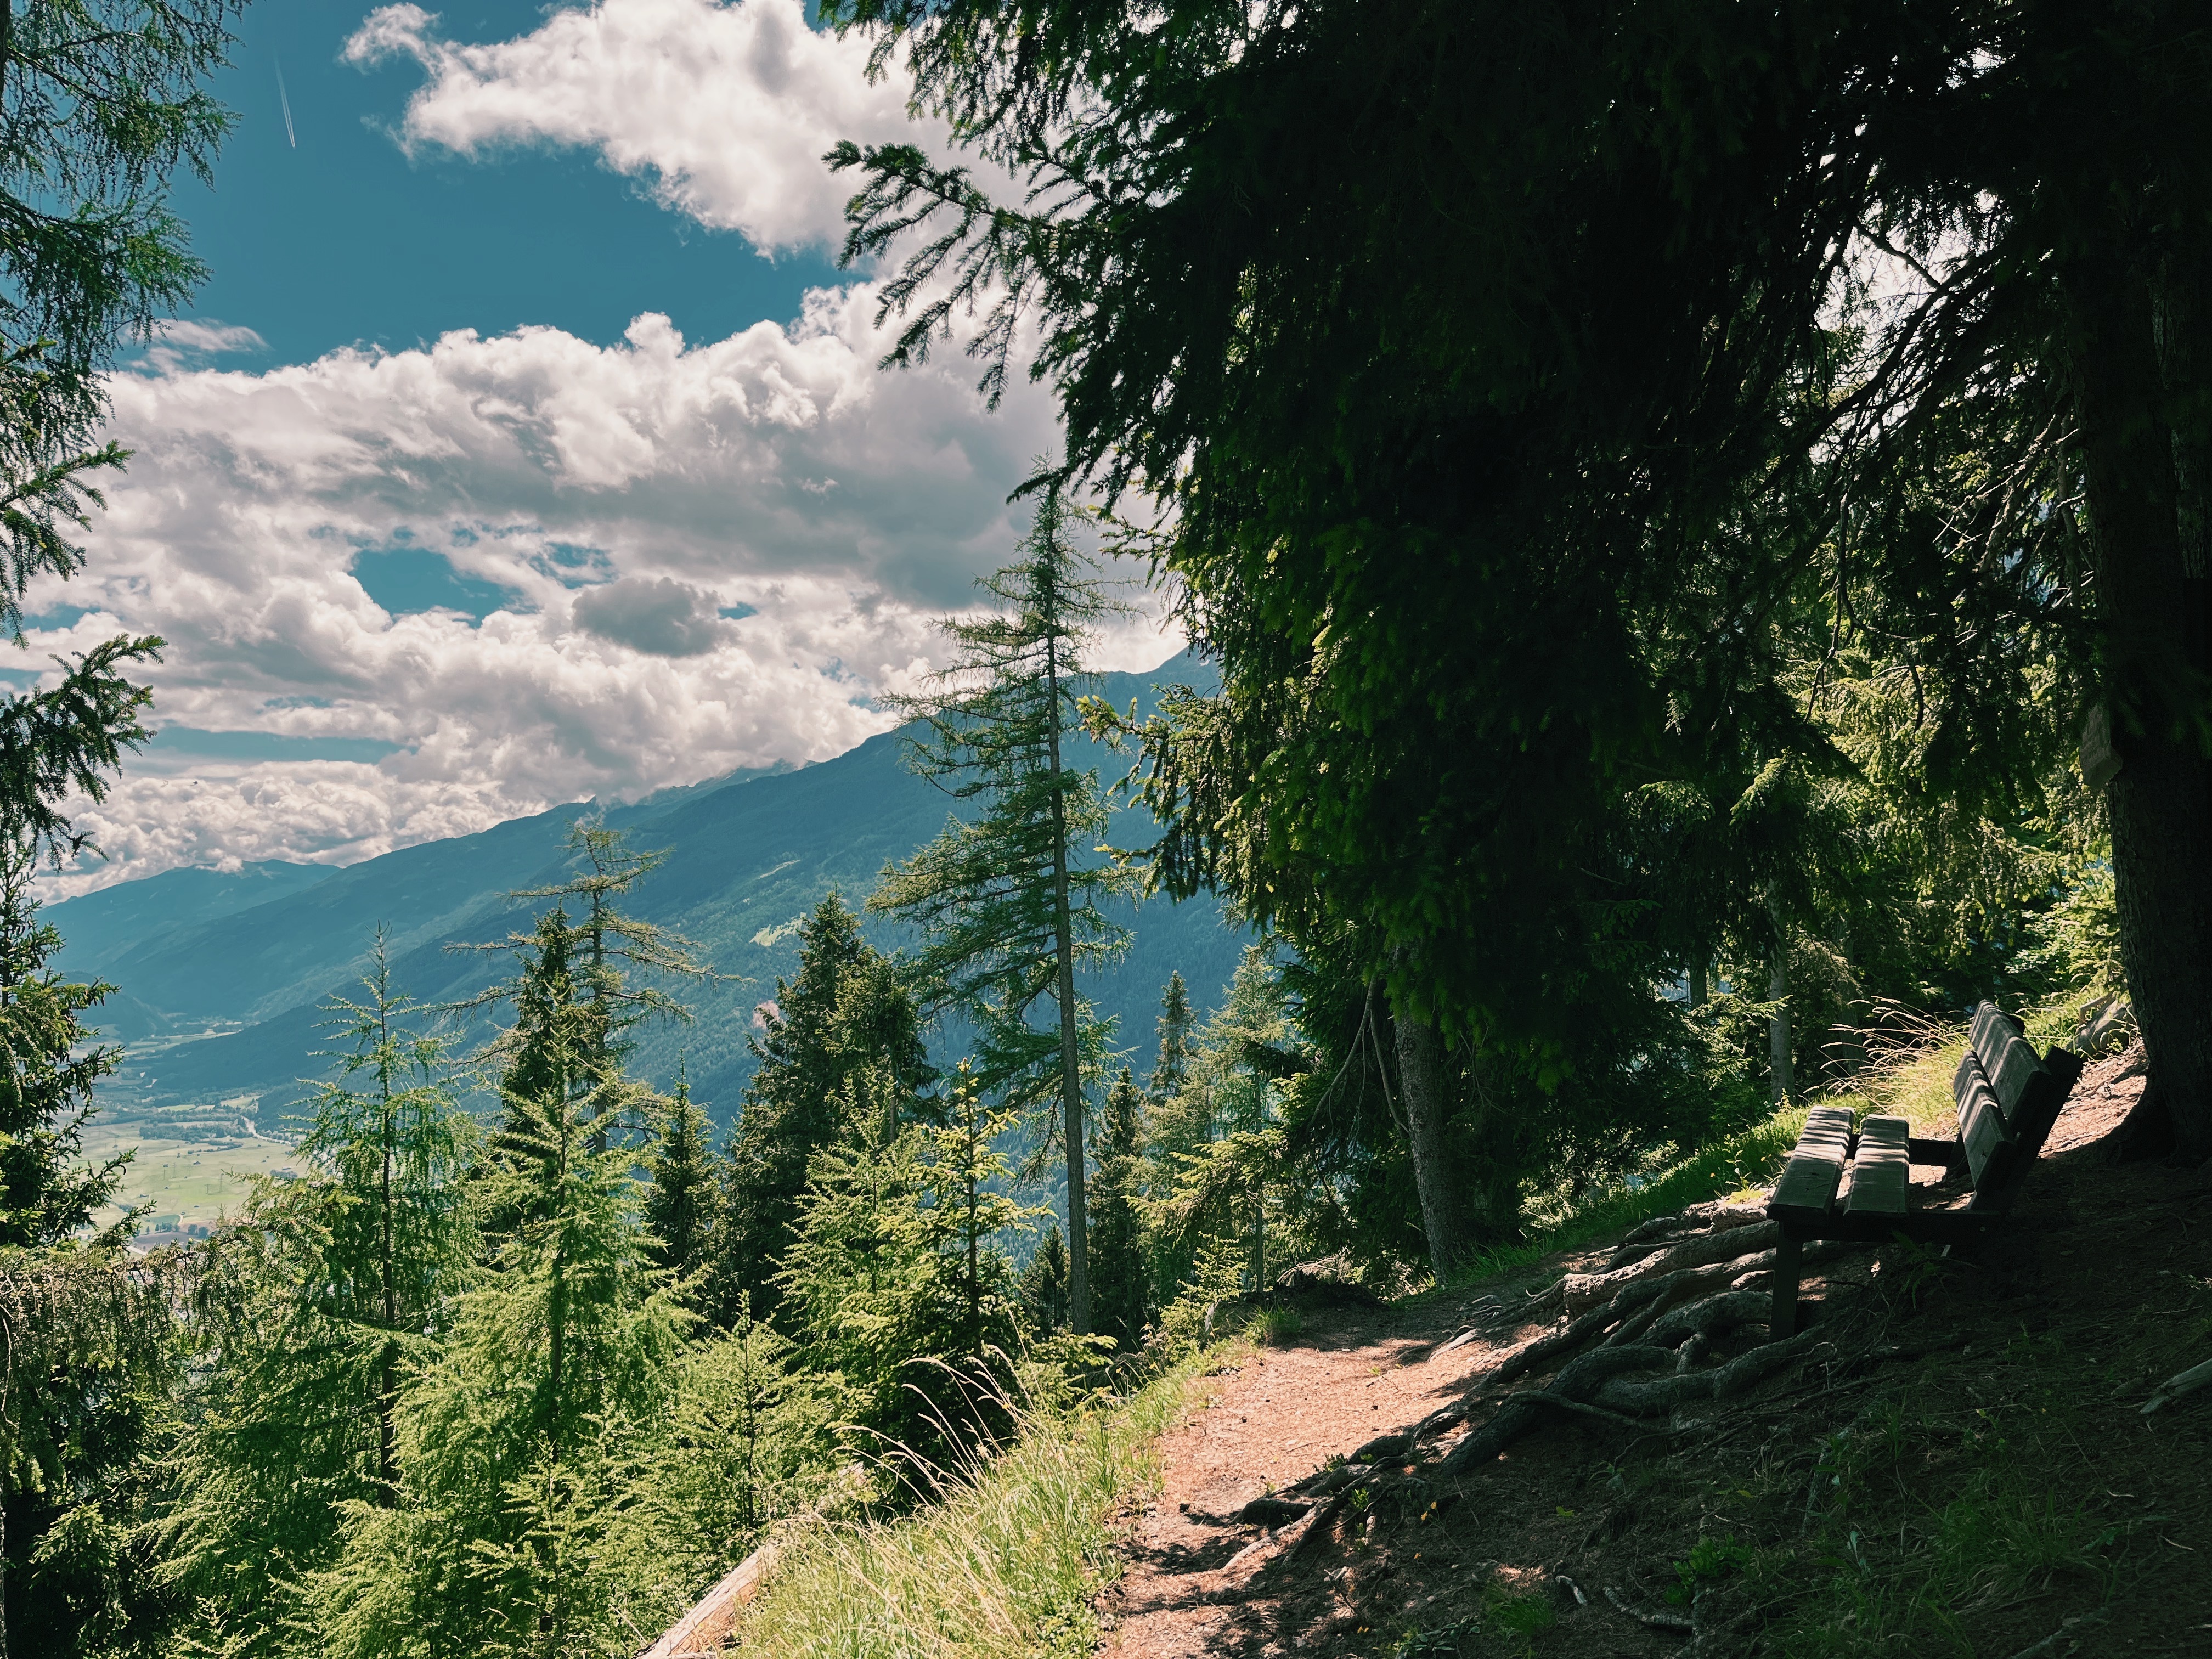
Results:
<point x="1276" y="1328"/>
<point x="1931" y="1522"/>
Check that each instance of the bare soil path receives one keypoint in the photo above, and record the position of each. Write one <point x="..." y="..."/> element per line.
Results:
<point x="2106" y="1281"/>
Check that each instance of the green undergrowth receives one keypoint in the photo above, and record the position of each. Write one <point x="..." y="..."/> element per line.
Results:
<point x="1928" y="1518"/>
<point x="1009" y="1561"/>
<point x="1739" y="1163"/>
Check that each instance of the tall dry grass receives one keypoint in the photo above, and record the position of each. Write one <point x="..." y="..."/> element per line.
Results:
<point x="1007" y="1562"/>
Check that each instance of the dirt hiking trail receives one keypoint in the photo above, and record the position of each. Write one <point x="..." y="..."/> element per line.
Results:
<point x="1957" y="1464"/>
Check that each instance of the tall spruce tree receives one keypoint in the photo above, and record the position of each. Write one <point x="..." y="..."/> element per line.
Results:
<point x="1008" y="901"/>
<point x="86" y="1346"/>
<point x="844" y="1015"/>
<point x="99" y="105"/>
<point x="1478" y="569"/>
<point x="1119" y="1270"/>
<point x="1176" y="1022"/>
<point x="680" y="1203"/>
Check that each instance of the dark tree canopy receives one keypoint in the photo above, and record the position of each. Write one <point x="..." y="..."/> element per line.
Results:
<point x="1513" y="371"/>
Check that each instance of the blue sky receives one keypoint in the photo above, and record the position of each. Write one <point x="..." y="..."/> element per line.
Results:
<point x="525" y="444"/>
<point x="345" y="239"/>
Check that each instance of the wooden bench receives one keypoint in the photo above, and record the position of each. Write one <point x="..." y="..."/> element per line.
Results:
<point x="1842" y="1183"/>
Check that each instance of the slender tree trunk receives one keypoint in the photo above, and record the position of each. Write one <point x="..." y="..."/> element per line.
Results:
<point x="1259" y="1238"/>
<point x="1421" y="1079"/>
<point x="387" y="1458"/>
<point x="2152" y="601"/>
<point x="1700" y="990"/>
<point x="975" y="1267"/>
<point x="386" y="1381"/>
<point x="1781" y="1036"/>
<point x="1071" y="1061"/>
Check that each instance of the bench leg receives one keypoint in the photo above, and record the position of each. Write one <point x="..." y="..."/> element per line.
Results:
<point x="1783" y="1321"/>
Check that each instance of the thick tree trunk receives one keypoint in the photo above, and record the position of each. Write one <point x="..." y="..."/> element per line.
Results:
<point x="1421" y="1078"/>
<point x="2151" y="604"/>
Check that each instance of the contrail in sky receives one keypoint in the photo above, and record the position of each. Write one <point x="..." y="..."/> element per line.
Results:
<point x="285" y="98"/>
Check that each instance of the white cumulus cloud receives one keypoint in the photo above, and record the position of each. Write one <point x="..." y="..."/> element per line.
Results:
<point x="725" y="109"/>
<point x="664" y="586"/>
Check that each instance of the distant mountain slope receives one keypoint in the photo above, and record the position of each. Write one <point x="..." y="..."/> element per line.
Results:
<point x="748" y="859"/>
<point x="99" y="927"/>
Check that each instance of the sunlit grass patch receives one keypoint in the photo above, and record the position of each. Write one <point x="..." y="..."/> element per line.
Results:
<point x="1009" y="1563"/>
<point x="1907" y="1074"/>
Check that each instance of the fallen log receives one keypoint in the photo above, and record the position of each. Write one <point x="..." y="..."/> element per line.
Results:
<point x="705" y="1631"/>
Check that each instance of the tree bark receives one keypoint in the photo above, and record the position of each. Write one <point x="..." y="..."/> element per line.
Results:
<point x="2151" y="605"/>
<point x="1071" y="1059"/>
<point x="1421" y="1080"/>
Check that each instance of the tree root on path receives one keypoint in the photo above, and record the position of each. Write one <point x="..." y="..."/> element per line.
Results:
<point x="1651" y="1294"/>
<point x="1632" y="1361"/>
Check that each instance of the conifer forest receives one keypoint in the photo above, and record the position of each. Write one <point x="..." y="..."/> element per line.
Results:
<point x="1699" y="513"/>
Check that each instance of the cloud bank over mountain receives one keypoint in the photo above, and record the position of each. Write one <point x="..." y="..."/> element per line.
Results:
<point x="540" y="567"/>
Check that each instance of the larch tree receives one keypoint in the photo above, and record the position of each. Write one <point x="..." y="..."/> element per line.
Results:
<point x="1008" y="901"/>
<point x="617" y="962"/>
<point x="315" y="1311"/>
<point x="560" y="1363"/>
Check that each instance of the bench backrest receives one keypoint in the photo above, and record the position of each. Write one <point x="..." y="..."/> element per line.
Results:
<point x="2007" y="1100"/>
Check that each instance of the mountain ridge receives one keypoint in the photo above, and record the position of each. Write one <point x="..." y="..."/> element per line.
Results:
<point x="749" y="855"/>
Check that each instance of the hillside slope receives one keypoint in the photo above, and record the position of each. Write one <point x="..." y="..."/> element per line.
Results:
<point x="748" y="859"/>
<point x="1959" y="1463"/>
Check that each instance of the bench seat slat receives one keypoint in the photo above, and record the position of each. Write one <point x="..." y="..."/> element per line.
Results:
<point x="1807" y="1186"/>
<point x="1881" y="1173"/>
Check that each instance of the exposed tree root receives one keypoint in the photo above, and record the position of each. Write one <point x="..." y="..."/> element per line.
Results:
<point x="1632" y="1360"/>
<point x="1639" y="1298"/>
<point x="1586" y="1291"/>
<point x="1668" y="1230"/>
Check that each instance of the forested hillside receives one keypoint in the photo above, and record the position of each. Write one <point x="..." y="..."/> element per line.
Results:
<point x="749" y="858"/>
